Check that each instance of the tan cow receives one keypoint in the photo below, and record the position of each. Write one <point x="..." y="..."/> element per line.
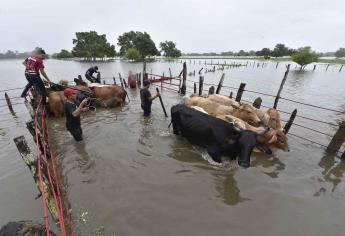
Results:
<point x="273" y="138"/>
<point x="244" y="111"/>
<point x="269" y="118"/>
<point x="223" y="100"/>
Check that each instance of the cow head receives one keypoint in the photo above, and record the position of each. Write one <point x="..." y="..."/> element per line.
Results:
<point x="274" y="119"/>
<point x="275" y="138"/>
<point x="247" y="113"/>
<point x="246" y="141"/>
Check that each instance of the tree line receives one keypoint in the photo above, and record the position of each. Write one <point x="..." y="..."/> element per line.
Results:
<point x="134" y="45"/>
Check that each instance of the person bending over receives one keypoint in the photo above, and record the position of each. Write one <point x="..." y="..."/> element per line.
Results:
<point x="89" y="75"/>
<point x="146" y="98"/>
<point x="72" y="112"/>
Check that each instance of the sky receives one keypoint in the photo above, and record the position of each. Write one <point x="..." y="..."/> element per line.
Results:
<point x="195" y="25"/>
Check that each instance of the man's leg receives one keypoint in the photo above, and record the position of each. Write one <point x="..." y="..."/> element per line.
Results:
<point x="89" y="78"/>
<point x="77" y="134"/>
<point x="37" y="81"/>
<point x="27" y="87"/>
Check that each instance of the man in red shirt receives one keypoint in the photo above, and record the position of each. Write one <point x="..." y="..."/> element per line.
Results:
<point x="33" y="68"/>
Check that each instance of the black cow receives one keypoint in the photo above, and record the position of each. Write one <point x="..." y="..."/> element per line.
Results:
<point x="217" y="136"/>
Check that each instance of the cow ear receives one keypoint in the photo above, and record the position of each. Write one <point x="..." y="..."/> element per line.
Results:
<point x="264" y="148"/>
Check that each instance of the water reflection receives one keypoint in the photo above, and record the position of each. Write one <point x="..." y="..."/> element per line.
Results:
<point x="226" y="186"/>
<point x="267" y="162"/>
<point x="85" y="162"/>
<point x="333" y="170"/>
<point x="299" y="79"/>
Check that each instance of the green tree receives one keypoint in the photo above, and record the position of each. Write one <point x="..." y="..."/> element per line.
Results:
<point x="138" y="40"/>
<point x="304" y="56"/>
<point x="264" y="52"/>
<point x="90" y="45"/>
<point x="280" y="50"/>
<point x="63" y="54"/>
<point x="169" y="49"/>
<point x="132" y="54"/>
<point x="340" y="52"/>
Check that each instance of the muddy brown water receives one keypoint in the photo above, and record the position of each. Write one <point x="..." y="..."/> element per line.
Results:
<point x="134" y="177"/>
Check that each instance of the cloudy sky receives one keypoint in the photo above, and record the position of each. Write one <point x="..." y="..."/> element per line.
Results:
<point x="195" y="25"/>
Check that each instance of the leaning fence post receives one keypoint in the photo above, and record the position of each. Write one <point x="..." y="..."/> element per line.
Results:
<point x="103" y="81"/>
<point x="201" y="84"/>
<point x="281" y="87"/>
<point x="162" y="104"/>
<point x="230" y="96"/>
<point x="201" y="70"/>
<point x="240" y="92"/>
<point x="114" y="80"/>
<point x="341" y="68"/>
<point x="194" y="87"/>
<point x="220" y="84"/>
<point x="125" y="83"/>
<point x="257" y="103"/>
<point x="277" y="64"/>
<point x="314" y="67"/>
<point x="337" y="140"/>
<point x="327" y="67"/>
<point x="290" y="121"/>
<point x="184" y="76"/>
<point x="9" y="104"/>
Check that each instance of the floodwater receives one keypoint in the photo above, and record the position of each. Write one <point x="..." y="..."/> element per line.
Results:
<point x="134" y="177"/>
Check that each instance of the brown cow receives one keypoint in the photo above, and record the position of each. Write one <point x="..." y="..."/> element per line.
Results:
<point x="270" y="118"/>
<point x="273" y="138"/>
<point x="107" y="96"/>
<point x="223" y="100"/>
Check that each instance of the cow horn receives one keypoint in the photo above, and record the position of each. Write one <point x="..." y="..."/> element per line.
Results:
<point x="263" y="132"/>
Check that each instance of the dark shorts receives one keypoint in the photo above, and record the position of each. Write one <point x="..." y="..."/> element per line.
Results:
<point x="35" y="80"/>
<point x="91" y="79"/>
<point x="146" y="109"/>
<point x="77" y="133"/>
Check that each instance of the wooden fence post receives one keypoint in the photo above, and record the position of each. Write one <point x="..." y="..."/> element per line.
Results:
<point x="201" y="84"/>
<point x="240" y="92"/>
<point x="341" y="68"/>
<point x="211" y="90"/>
<point x="194" y="87"/>
<point x="121" y="81"/>
<point x="125" y="83"/>
<point x="114" y="80"/>
<point x="337" y="140"/>
<point x="277" y="64"/>
<point x="314" y="67"/>
<point x="103" y="81"/>
<point x="144" y="70"/>
<point x="290" y="121"/>
<point x="201" y="70"/>
<point x="220" y="84"/>
<point x="184" y="76"/>
<point x="257" y="103"/>
<point x="327" y="67"/>
<point x="170" y="73"/>
<point x="9" y="104"/>
<point x="230" y="96"/>
<point x="281" y="87"/>
<point x="162" y="104"/>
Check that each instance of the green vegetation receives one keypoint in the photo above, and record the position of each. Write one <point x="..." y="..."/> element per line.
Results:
<point x="304" y="56"/>
<point x="169" y="49"/>
<point x="138" y="40"/>
<point x="132" y="54"/>
<point x="63" y="54"/>
<point x="18" y="55"/>
<point x="63" y="82"/>
<point x="340" y="53"/>
<point x="90" y="46"/>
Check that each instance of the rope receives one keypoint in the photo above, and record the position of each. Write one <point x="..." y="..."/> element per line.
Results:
<point x="266" y="94"/>
<point x="59" y="210"/>
<point x="305" y="127"/>
<point x="5" y="90"/>
<point x="45" y="209"/>
<point x="306" y="139"/>
<point x="306" y="104"/>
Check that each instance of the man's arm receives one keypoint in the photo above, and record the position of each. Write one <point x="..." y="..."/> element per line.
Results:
<point x="44" y="74"/>
<point x="24" y="63"/>
<point x="79" y="109"/>
<point x="154" y="97"/>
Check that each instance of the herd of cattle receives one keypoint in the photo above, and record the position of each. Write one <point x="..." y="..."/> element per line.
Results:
<point x="228" y="128"/>
<point x="218" y="123"/>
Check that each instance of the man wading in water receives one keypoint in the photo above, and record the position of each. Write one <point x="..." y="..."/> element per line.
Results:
<point x="89" y="75"/>
<point x="33" y="67"/>
<point x="146" y="98"/>
<point x="73" y="112"/>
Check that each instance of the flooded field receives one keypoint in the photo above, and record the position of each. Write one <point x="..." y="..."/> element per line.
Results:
<point x="134" y="177"/>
